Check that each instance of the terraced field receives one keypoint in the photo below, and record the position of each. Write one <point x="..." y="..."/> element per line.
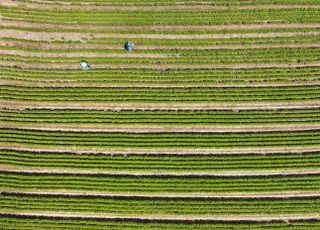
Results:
<point x="213" y="122"/>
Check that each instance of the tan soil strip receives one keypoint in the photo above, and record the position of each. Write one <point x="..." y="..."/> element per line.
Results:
<point x="74" y="84"/>
<point x="161" y="128"/>
<point x="81" y="37"/>
<point x="285" y="218"/>
<point x="285" y="195"/>
<point x="24" y="65"/>
<point x="162" y="151"/>
<point x="241" y="173"/>
<point x="17" y="23"/>
<point x="12" y="3"/>
<point x="131" y="55"/>
<point x="160" y="106"/>
<point x="86" y="55"/>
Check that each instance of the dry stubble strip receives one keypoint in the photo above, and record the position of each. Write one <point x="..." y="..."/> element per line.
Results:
<point x="76" y="36"/>
<point x="284" y="218"/>
<point x="159" y="106"/>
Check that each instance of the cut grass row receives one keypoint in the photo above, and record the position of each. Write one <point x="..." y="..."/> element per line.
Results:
<point x="153" y="117"/>
<point x="159" y="163"/>
<point x="158" y="185"/>
<point x="167" y="76"/>
<point x="169" y="95"/>
<point x="40" y="223"/>
<point x="158" y="140"/>
<point x="159" y="207"/>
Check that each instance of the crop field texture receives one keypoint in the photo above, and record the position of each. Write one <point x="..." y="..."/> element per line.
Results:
<point x="212" y="122"/>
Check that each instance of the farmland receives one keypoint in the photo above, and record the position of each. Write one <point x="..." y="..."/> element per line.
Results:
<point x="212" y="122"/>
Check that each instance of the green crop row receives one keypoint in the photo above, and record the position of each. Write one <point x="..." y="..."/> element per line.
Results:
<point x="209" y="117"/>
<point x="162" y="207"/>
<point x="159" y="163"/>
<point x="163" y="17"/>
<point x="158" y="140"/>
<point x="158" y="184"/>
<point x="167" y="76"/>
<point x="133" y="94"/>
<point x="40" y="223"/>
<point x="183" y="2"/>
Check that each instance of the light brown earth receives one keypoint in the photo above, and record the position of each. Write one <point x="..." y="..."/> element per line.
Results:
<point x="256" y="218"/>
<point x="160" y="106"/>
<point x="82" y="37"/>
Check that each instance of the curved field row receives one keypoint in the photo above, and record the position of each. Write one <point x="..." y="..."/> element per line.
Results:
<point x="160" y="184"/>
<point x="157" y="196"/>
<point x="31" y="221"/>
<point x="162" y="208"/>
<point x="167" y="3"/>
<point x="85" y="6"/>
<point x="162" y="95"/>
<point x="34" y="138"/>
<point x="207" y="77"/>
<point x="195" y="163"/>
<point x="160" y="117"/>
<point x="164" y="17"/>
<point x="46" y="27"/>
<point x="159" y="129"/>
